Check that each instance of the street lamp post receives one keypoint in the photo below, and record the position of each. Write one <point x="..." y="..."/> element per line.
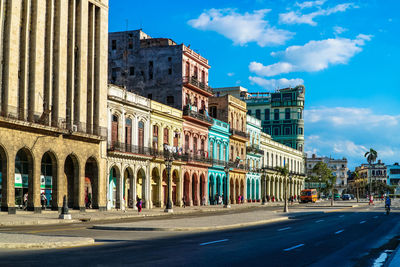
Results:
<point x="168" y="165"/>
<point x="226" y="199"/>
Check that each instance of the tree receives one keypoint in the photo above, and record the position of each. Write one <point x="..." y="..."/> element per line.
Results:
<point x="284" y="171"/>
<point x="322" y="171"/>
<point x="371" y="157"/>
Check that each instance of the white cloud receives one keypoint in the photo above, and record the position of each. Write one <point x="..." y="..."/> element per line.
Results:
<point x="273" y="84"/>
<point x="308" y="4"/>
<point x="296" y="17"/>
<point x="230" y="74"/>
<point x="339" y="30"/>
<point x="349" y="148"/>
<point x="313" y="56"/>
<point x="241" y="28"/>
<point x="353" y="117"/>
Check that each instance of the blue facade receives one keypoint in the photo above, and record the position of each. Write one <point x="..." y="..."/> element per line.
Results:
<point x="218" y="147"/>
<point x="253" y="159"/>
<point x="393" y="174"/>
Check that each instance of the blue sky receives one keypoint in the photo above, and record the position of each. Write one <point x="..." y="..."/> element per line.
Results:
<point x="345" y="52"/>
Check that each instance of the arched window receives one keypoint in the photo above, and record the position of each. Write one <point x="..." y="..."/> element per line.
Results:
<point x="141" y="134"/>
<point x="218" y="151"/>
<point x="114" y="129"/>
<point x="195" y="145"/>
<point x="176" y="139"/>
<point x="187" y="143"/>
<point x="128" y="132"/>
<point x="187" y="69"/>
<point x="203" y="77"/>
<point x="166" y="136"/>
<point x="211" y="152"/>
<point x="195" y="74"/>
<point x="155" y="136"/>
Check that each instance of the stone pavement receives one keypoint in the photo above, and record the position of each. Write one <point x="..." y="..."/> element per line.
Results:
<point x="25" y="241"/>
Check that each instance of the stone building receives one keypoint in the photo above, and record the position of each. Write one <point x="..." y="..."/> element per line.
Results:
<point x="254" y="159"/>
<point x="166" y="129"/>
<point x="233" y="111"/>
<point x="338" y="166"/>
<point x="53" y="93"/>
<point x="128" y="149"/>
<point x="281" y="114"/>
<point x="144" y="65"/>
<point x="277" y="154"/>
<point x="218" y="142"/>
<point x="374" y="173"/>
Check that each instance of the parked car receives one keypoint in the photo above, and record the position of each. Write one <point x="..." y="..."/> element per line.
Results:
<point x="336" y="196"/>
<point x="346" y="197"/>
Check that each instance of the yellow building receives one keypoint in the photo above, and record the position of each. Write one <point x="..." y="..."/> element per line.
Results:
<point x="229" y="109"/>
<point x="166" y="129"/>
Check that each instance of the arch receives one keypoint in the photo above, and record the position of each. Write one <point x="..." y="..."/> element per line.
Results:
<point x="91" y="183"/>
<point x="195" y="193"/>
<point x="211" y="189"/>
<point x="24" y="178"/>
<point x="186" y="189"/>
<point x="218" y="188"/>
<point x="253" y="189"/>
<point x="202" y="189"/>
<point x="175" y="183"/>
<point x="257" y="190"/>
<point x="3" y="178"/>
<point x="242" y="182"/>
<point x="140" y="184"/>
<point x="113" y="182"/>
<point x="49" y="180"/>
<point x="154" y="185"/>
<point x="127" y="192"/>
<point x="237" y="192"/>
<point x="248" y="190"/>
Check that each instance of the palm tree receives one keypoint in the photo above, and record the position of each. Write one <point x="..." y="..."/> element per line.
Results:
<point x="371" y="157"/>
<point x="284" y="171"/>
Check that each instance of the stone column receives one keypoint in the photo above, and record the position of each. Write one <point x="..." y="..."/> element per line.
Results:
<point x="146" y="185"/>
<point x="34" y="189"/>
<point x="9" y="197"/>
<point x="133" y="189"/>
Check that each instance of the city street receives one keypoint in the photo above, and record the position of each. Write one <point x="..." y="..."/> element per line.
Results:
<point x="338" y="237"/>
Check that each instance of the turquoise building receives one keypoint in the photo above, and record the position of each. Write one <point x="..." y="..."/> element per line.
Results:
<point x="218" y="147"/>
<point x="253" y="159"/>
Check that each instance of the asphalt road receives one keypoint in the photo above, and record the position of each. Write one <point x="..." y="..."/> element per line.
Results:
<point x="330" y="239"/>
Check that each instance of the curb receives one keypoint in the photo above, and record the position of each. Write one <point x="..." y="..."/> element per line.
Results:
<point x="177" y="229"/>
<point x="48" y="244"/>
<point x="38" y="222"/>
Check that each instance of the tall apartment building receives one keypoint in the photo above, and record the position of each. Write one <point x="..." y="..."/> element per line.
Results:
<point x="175" y="75"/>
<point x="53" y="93"/>
<point x="338" y="166"/>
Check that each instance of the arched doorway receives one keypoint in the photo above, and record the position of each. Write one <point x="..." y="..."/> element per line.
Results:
<point x="186" y="189"/>
<point x="194" y="189"/>
<point x="165" y="186"/>
<point x="175" y="183"/>
<point x="211" y="189"/>
<point x="128" y="184"/>
<point x="253" y="189"/>
<point x="91" y="184"/>
<point x="237" y="192"/>
<point x="48" y="180"/>
<point x="112" y="187"/>
<point x="248" y="190"/>
<point x="3" y="178"/>
<point x="202" y="191"/>
<point x="155" y="181"/>
<point x="24" y="178"/>
<point x="224" y="188"/>
<point x="218" y="185"/>
<point x="71" y="171"/>
<point x="258" y="190"/>
<point x="140" y="183"/>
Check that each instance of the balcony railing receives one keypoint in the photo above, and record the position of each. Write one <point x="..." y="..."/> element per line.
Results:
<point x="218" y="162"/>
<point x="193" y="81"/>
<point x="254" y="149"/>
<point x="194" y="114"/>
<point x="129" y="148"/>
<point x="236" y="165"/>
<point x="200" y="156"/>
<point x="240" y="133"/>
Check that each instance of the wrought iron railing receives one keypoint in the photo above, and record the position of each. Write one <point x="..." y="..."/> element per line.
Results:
<point x="240" y="133"/>
<point x="193" y="81"/>
<point x="194" y="114"/>
<point x="254" y="149"/>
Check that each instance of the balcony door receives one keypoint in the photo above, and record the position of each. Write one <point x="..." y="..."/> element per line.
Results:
<point x="128" y="135"/>
<point x="114" y="130"/>
<point x="141" y="134"/>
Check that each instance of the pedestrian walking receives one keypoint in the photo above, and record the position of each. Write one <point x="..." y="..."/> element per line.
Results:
<point x="139" y="205"/>
<point x="291" y="200"/>
<point x="25" y="201"/>
<point x="242" y="199"/>
<point x="184" y="202"/>
<point x="204" y="200"/>
<point x="371" y="200"/>
<point x="239" y="198"/>
<point x="273" y="198"/>
<point x="268" y="199"/>
<point x="43" y="200"/>
<point x="220" y="200"/>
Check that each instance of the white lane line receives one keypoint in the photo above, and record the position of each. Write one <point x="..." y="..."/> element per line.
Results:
<point x="362" y="222"/>
<point x="319" y="221"/>
<point x="213" y="242"/>
<point x="341" y="216"/>
<point x="338" y="232"/>
<point x="283" y="229"/>
<point x="375" y="217"/>
<point x="297" y="246"/>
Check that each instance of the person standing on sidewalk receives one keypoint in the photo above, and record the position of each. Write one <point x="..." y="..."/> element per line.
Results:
<point x="139" y="205"/>
<point x="25" y="201"/>
<point x="184" y="202"/>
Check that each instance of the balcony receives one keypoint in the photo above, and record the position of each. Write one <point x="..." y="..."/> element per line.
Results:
<point x="196" y="115"/>
<point x="254" y="149"/>
<point x="196" y="83"/>
<point x="129" y="148"/>
<point x="236" y="165"/>
<point x="240" y="133"/>
<point x="199" y="157"/>
<point x="217" y="162"/>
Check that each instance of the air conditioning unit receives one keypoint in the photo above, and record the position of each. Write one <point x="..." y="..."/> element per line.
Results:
<point x="75" y="128"/>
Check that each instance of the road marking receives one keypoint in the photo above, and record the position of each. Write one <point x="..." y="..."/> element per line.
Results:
<point x="338" y="232"/>
<point x="213" y="242"/>
<point x="375" y="217"/>
<point x="297" y="246"/>
<point x="341" y="216"/>
<point x="319" y="221"/>
<point x="362" y="222"/>
<point x="283" y="229"/>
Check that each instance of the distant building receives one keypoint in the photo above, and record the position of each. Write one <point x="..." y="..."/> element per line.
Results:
<point x="393" y="174"/>
<point x="371" y="173"/>
<point x="338" y="167"/>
